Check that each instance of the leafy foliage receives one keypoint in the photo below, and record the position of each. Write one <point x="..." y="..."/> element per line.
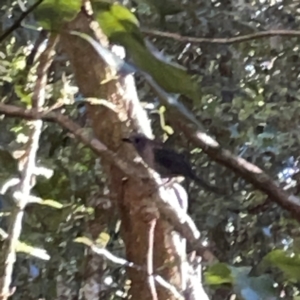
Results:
<point x="122" y="27"/>
<point x="246" y="95"/>
<point x="52" y="14"/>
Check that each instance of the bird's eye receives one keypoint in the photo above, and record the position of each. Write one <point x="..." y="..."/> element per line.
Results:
<point x="137" y="140"/>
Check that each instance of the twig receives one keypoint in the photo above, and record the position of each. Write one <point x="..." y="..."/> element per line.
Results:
<point x="18" y="22"/>
<point x="15" y="226"/>
<point x="232" y="40"/>
<point x="123" y="262"/>
<point x="33" y="54"/>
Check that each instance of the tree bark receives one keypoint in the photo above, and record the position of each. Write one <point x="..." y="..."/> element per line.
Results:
<point x="134" y="203"/>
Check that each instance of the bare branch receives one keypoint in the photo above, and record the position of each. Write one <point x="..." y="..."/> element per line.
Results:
<point x="151" y="280"/>
<point x="224" y="41"/>
<point x="18" y="22"/>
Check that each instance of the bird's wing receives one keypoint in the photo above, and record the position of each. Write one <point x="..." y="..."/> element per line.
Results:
<point x="164" y="157"/>
<point x="170" y="163"/>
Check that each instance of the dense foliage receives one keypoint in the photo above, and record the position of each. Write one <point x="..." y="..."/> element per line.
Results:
<point x="245" y="93"/>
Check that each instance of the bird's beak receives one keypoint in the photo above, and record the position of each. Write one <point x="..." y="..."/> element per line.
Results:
<point x="126" y="140"/>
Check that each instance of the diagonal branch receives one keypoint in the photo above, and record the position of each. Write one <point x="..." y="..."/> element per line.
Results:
<point x="18" y="22"/>
<point x="180" y="220"/>
<point x="245" y="169"/>
<point x="224" y="41"/>
<point x="80" y="133"/>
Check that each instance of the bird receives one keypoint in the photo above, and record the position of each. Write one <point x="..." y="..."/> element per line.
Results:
<point x="166" y="161"/>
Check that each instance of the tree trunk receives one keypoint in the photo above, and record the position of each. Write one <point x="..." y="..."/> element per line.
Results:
<point x="134" y="202"/>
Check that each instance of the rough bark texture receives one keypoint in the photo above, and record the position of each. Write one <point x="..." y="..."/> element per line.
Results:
<point x="134" y="202"/>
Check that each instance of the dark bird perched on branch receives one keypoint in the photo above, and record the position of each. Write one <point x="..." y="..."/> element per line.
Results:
<point x="165" y="161"/>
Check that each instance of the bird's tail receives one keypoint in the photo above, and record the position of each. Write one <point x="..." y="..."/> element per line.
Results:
<point x="207" y="186"/>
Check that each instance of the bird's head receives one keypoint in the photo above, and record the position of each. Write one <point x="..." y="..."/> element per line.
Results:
<point x="138" y="140"/>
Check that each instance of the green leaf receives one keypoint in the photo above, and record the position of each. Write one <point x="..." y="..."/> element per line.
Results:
<point x="84" y="240"/>
<point x="248" y="288"/>
<point x="115" y="18"/>
<point x="121" y="67"/>
<point x="288" y="264"/>
<point x="24" y="97"/>
<point x="103" y="239"/>
<point x="37" y="252"/>
<point x="52" y="14"/>
<point x="51" y="203"/>
<point x="46" y="202"/>
<point x="217" y="274"/>
<point x="122" y="27"/>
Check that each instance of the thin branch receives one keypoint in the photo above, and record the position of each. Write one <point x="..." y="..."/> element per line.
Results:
<point x="80" y="133"/>
<point x="32" y="56"/>
<point x="151" y="279"/>
<point x="232" y="40"/>
<point x="16" y="217"/>
<point x="38" y="97"/>
<point x="18" y="22"/>
<point x="123" y="262"/>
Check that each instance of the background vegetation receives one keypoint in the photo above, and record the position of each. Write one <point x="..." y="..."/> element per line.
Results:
<point x="235" y="66"/>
